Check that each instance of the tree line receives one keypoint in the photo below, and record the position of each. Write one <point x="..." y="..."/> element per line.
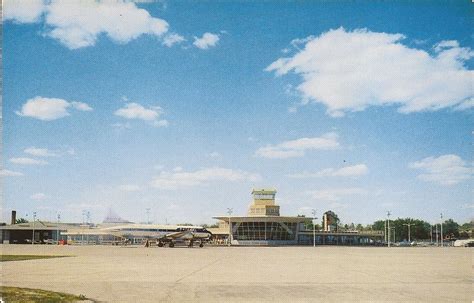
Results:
<point x="419" y="229"/>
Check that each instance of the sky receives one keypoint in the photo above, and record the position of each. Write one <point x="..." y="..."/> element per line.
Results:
<point x="182" y="107"/>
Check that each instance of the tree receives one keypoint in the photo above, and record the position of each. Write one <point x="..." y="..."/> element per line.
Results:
<point x="21" y="220"/>
<point x="450" y="229"/>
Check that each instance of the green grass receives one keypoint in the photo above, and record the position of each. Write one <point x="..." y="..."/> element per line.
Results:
<point x="28" y="295"/>
<point x="4" y="258"/>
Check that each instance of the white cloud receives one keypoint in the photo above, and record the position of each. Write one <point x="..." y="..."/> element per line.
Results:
<point x="172" y="39"/>
<point x="27" y="161"/>
<point x="350" y="71"/>
<point x="23" y="11"/>
<point x="335" y="194"/>
<point x="10" y="173"/>
<point x="78" y="23"/>
<point x="214" y="155"/>
<point x="81" y="106"/>
<point x="348" y="171"/>
<point x="47" y="109"/>
<point x="40" y="152"/>
<point x="445" y="170"/>
<point x="137" y="111"/>
<point x="298" y="147"/>
<point x="206" y="41"/>
<point x="129" y="187"/>
<point x="38" y="197"/>
<point x="181" y="179"/>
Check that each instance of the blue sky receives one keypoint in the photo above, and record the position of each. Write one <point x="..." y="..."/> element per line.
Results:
<point x="183" y="107"/>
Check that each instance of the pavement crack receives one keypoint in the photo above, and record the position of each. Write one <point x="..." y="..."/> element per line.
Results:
<point x="196" y="271"/>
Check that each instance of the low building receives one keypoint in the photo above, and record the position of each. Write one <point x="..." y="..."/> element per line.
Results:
<point x="38" y="232"/>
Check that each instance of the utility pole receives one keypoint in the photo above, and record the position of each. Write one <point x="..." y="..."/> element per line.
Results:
<point x="441" y="216"/>
<point x="314" y="227"/>
<point x="409" y="233"/>
<point x="388" y="227"/>
<point x="229" y="212"/>
<point x="34" y="222"/>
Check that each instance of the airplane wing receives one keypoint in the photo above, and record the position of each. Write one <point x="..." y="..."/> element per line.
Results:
<point x="175" y="235"/>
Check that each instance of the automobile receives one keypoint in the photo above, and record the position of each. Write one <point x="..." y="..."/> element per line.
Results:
<point x="49" y="241"/>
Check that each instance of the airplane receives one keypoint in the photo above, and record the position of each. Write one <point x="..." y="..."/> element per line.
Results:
<point x="162" y="234"/>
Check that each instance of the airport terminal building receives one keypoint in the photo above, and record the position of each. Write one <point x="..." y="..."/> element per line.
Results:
<point x="263" y="225"/>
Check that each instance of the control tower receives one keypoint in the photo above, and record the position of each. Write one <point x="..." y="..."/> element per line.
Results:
<point x="264" y="203"/>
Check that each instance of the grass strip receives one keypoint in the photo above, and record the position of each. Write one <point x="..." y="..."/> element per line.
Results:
<point x="6" y="258"/>
<point x="29" y="295"/>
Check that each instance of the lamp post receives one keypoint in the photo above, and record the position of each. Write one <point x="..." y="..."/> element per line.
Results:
<point x="314" y="227"/>
<point x="229" y="212"/>
<point x="83" y="223"/>
<point x="388" y="227"/>
<point x="147" y="215"/>
<point x="437" y="243"/>
<point x="431" y="234"/>
<point x="34" y="220"/>
<point x="441" y="216"/>
<point x="57" y="229"/>
<point x="409" y="234"/>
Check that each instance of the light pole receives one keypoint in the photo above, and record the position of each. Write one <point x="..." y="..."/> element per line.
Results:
<point x="34" y="221"/>
<point x="57" y="229"/>
<point x="409" y="234"/>
<point x="437" y="243"/>
<point x="431" y="234"/>
<point x="314" y="227"/>
<point x="441" y="216"/>
<point x="147" y="215"/>
<point x="83" y="223"/>
<point x="88" y="216"/>
<point x="388" y="227"/>
<point x="229" y="211"/>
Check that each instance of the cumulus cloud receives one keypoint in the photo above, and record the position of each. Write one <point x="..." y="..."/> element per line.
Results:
<point x="207" y="41"/>
<point x="40" y="152"/>
<point x="298" y="147"/>
<point x="137" y="111"/>
<point x="444" y="170"/>
<point x="78" y="23"/>
<point x="27" y="161"/>
<point x="38" y="197"/>
<point x="182" y="179"/>
<point x="10" y="173"/>
<point x="48" y="109"/>
<point x="335" y="194"/>
<point x="348" y="171"/>
<point x="350" y="71"/>
<point x="172" y="39"/>
<point x="23" y="11"/>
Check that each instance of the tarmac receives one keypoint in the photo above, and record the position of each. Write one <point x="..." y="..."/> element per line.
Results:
<point x="247" y="274"/>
